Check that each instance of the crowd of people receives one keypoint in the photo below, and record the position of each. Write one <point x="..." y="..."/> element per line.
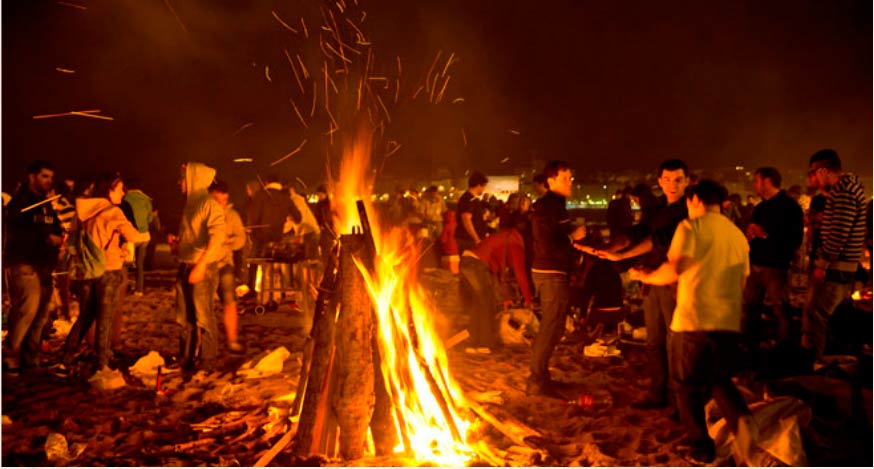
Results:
<point x="711" y="268"/>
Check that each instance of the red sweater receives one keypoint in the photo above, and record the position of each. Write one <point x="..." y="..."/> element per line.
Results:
<point x="506" y="247"/>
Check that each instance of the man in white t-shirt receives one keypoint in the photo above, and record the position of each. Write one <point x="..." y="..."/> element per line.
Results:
<point x="709" y="258"/>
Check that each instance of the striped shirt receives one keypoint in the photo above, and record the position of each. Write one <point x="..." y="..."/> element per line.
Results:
<point x="843" y="225"/>
<point x="66" y="213"/>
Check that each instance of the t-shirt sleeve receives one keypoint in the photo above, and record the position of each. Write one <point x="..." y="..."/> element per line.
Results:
<point x="465" y="205"/>
<point x="683" y="243"/>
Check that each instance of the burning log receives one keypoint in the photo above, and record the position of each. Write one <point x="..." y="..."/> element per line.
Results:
<point x="314" y="402"/>
<point x="353" y="400"/>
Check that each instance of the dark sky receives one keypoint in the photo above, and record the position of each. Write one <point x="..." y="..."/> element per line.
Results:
<point x="606" y="85"/>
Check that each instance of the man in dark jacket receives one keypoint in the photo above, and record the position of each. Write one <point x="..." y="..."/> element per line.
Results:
<point x="775" y="231"/>
<point x="33" y="239"/>
<point x="471" y="229"/>
<point x="553" y="259"/>
<point x="266" y="217"/>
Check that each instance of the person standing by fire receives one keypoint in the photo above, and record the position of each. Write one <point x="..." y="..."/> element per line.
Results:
<point x="660" y="300"/>
<point x="708" y="260"/>
<point x="553" y="236"/>
<point x="471" y="227"/>
<point x="33" y="236"/>
<point x="201" y="237"/>
<point x="235" y="241"/>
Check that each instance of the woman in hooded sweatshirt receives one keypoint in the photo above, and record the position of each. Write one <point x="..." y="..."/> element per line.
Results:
<point x="103" y="221"/>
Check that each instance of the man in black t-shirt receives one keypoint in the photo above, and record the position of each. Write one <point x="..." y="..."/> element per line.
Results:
<point x="471" y="227"/>
<point x="660" y="300"/>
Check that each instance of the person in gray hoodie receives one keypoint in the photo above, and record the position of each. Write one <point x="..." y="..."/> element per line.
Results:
<point x="200" y="243"/>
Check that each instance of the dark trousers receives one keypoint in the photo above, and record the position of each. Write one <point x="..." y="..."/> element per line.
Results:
<point x="702" y="364"/>
<point x="98" y="299"/>
<point x="825" y="297"/>
<point x="194" y="303"/>
<point x="658" y="310"/>
<point x="464" y="244"/>
<point x="478" y="296"/>
<point x="554" y="293"/>
<point x="30" y="292"/>
<point x="765" y="289"/>
<point x="140" y="258"/>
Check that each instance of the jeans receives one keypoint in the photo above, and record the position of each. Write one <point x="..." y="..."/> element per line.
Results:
<point x="98" y="299"/>
<point x="765" y="287"/>
<point x="478" y="296"/>
<point x="825" y="297"/>
<point x="227" y="285"/>
<point x="554" y="292"/>
<point x="140" y="258"/>
<point x="194" y="303"/>
<point x="30" y="292"/>
<point x="702" y="363"/>
<point x="658" y="310"/>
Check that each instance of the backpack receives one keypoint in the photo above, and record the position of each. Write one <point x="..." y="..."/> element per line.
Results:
<point x="85" y="259"/>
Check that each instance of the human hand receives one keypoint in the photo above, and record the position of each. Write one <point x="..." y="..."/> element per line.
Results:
<point x="756" y="231"/>
<point x="197" y="274"/>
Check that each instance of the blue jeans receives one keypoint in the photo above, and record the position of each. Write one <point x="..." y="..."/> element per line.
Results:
<point x="30" y="292"/>
<point x="98" y="299"/>
<point x="658" y="311"/>
<point x="478" y="296"/>
<point x="554" y="292"/>
<point x="194" y="303"/>
<point x="825" y="298"/>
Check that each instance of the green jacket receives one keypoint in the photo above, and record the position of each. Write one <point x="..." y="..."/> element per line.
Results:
<point x="141" y="204"/>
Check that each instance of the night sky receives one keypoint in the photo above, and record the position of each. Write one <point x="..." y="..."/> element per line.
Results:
<point x="605" y="85"/>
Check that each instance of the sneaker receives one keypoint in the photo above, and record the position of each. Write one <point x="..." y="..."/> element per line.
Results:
<point x="138" y="293"/>
<point x="236" y="348"/>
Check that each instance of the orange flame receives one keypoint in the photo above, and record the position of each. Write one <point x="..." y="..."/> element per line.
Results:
<point x="425" y="398"/>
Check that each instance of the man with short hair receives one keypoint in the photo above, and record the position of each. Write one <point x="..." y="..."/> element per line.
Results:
<point x="471" y="229"/>
<point x="843" y="242"/>
<point x="33" y="238"/>
<point x="660" y="300"/>
<point x="775" y="231"/>
<point x="235" y="240"/>
<point x="540" y="185"/>
<point x="709" y="261"/>
<point x="554" y="256"/>
<point x="266" y="218"/>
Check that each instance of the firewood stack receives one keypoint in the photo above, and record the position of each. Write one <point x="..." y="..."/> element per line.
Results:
<point x="344" y="386"/>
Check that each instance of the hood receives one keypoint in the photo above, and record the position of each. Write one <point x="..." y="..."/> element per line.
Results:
<point x="198" y="177"/>
<point x="136" y="194"/>
<point x="87" y="208"/>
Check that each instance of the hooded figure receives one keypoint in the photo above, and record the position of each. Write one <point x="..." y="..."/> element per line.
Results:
<point x="103" y="221"/>
<point x="201" y="237"/>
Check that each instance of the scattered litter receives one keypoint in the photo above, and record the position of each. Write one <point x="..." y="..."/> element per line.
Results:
<point x="107" y="380"/>
<point x="517" y="326"/>
<point x="146" y="368"/>
<point x="601" y="349"/>
<point x="57" y="450"/>
<point x="490" y="397"/>
<point x="779" y="441"/>
<point x="268" y="365"/>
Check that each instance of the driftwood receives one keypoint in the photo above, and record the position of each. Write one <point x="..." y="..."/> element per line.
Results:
<point x="517" y="432"/>
<point x="280" y="445"/>
<point x="456" y="339"/>
<point x="314" y="400"/>
<point x="353" y="399"/>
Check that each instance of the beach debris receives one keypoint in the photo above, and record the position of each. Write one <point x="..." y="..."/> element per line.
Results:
<point x="146" y="368"/>
<point x="265" y="365"/>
